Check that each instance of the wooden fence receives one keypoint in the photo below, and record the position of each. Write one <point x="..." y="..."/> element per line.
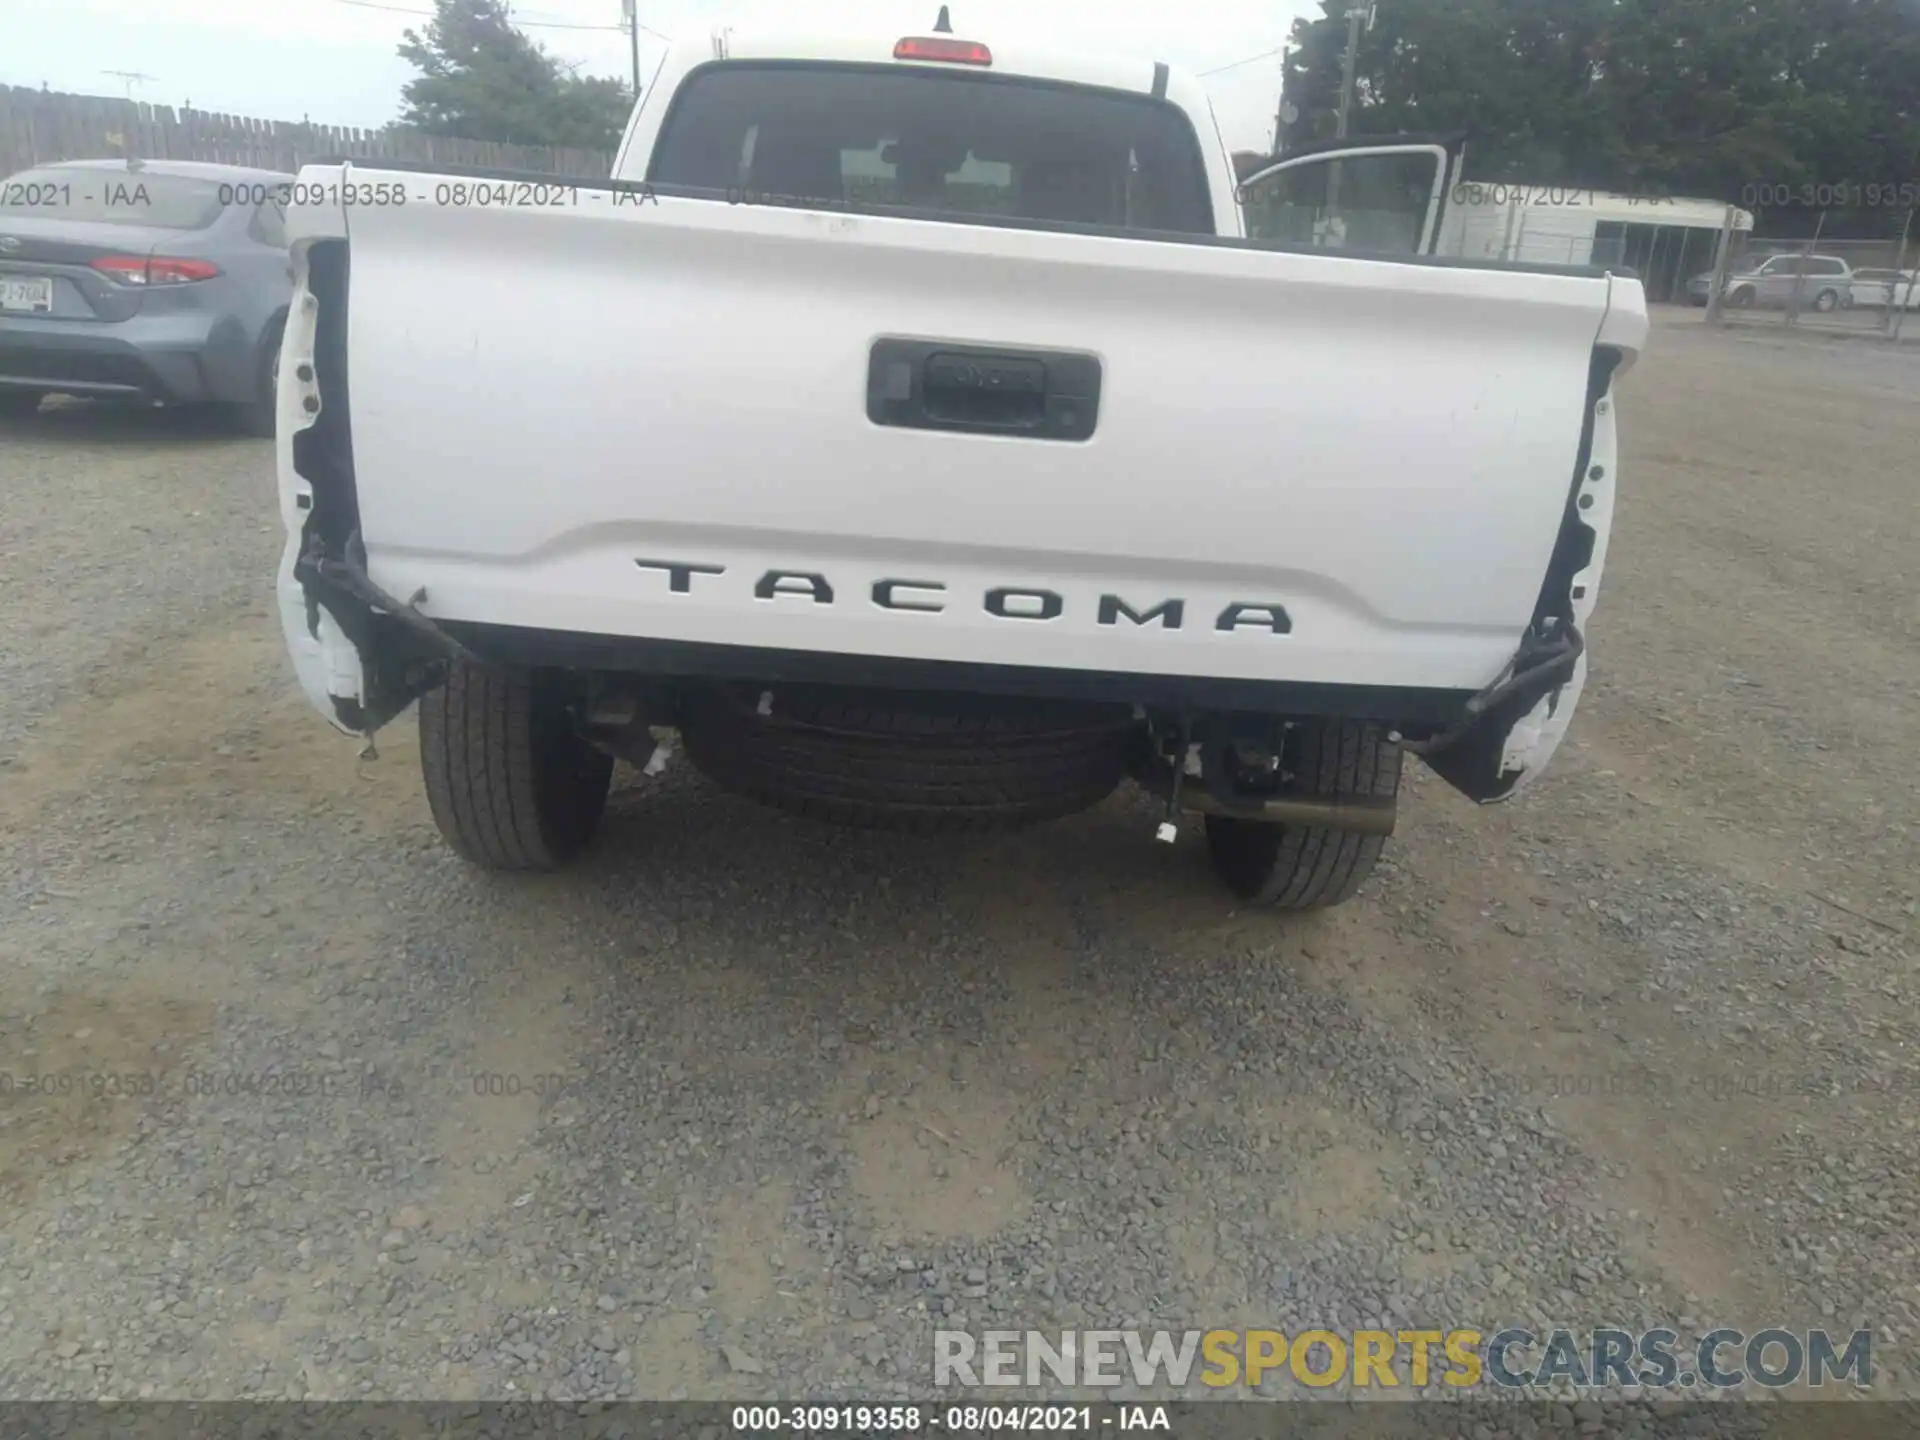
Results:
<point x="37" y="126"/>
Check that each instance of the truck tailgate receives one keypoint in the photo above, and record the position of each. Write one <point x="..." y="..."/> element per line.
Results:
<point x="622" y="418"/>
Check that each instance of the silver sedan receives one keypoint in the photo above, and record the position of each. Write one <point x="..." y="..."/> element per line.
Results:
<point x="160" y="280"/>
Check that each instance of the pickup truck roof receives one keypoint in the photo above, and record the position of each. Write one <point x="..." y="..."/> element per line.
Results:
<point x="1011" y="55"/>
<point x="1007" y="58"/>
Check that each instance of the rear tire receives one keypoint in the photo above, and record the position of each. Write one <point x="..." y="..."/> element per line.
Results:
<point x="19" y="404"/>
<point x="1827" y="301"/>
<point x="927" y="763"/>
<point x="1741" y="299"/>
<point x="259" y="416"/>
<point x="511" y="784"/>
<point x="1308" y="867"/>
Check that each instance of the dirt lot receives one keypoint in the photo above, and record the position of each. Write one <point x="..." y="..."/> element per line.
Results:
<point x="741" y="1107"/>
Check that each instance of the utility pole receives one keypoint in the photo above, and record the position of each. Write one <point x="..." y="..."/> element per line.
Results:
<point x="632" y="8"/>
<point x="1355" y="14"/>
<point x="1283" y="112"/>
<point x="1722" y="259"/>
<point x="1902" y="295"/>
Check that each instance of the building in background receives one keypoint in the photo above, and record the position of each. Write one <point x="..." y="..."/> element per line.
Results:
<point x="1665" y="241"/>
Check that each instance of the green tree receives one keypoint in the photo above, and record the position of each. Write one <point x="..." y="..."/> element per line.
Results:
<point x="481" y="79"/>
<point x="1699" y="97"/>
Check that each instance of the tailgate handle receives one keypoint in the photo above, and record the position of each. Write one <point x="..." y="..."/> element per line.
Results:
<point x="1033" y="394"/>
<point x="991" y="392"/>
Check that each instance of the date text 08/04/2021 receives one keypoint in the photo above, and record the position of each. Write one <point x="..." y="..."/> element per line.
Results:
<point x="962" y="1420"/>
<point x="29" y="196"/>
<point x="503" y="195"/>
<point x="461" y="194"/>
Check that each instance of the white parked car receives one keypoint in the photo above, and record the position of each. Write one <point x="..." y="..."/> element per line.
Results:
<point x="1884" y="289"/>
<point x="926" y="432"/>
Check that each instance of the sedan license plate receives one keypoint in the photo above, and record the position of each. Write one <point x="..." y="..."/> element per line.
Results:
<point x="34" y="296"/>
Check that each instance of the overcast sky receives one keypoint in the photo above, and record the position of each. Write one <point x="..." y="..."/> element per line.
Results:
<point x="334" y="63"/>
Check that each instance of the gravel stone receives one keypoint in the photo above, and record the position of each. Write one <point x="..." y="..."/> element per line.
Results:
<point x="741" y="1363"/>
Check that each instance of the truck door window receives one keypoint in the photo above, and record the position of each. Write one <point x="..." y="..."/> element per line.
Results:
<point x="956" y="145"/>
<point x="1374" y="203"/>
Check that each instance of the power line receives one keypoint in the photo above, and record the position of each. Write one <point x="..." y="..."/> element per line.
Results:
<point x="1264" y="54"/>
<point x="428" y="15"/>
<point x="562" y="25"/>
<point x="518" y="24"/>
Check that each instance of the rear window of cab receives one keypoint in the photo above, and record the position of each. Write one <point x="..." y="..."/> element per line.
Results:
<point x="964" y="145"/>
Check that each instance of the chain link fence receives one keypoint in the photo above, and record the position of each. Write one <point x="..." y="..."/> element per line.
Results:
<point x="1857" y="283"/>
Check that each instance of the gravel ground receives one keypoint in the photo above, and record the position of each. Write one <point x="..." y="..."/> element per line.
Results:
<point x="743" y="1108"/>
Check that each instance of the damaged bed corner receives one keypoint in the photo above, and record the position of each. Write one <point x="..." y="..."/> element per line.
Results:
<point x="364" y="655"/>
<point x="1513" y="727"/>
<point x="369" y="654"/>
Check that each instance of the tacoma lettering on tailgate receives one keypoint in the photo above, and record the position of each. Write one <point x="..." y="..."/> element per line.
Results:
<point x="1006" y="602"/>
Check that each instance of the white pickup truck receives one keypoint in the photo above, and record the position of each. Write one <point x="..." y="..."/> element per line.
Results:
<point x="931" y="432"/>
